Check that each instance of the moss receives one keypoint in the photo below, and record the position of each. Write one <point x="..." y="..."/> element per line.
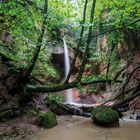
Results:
<point x="104" y="115"/>
<point x="8" y="114"/>
<point x="47" y="119"/>
<point x="54" y="103"/>
<point x="57" y="109"/>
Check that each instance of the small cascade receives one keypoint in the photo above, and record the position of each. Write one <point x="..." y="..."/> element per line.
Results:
<point x="69" y="93"/>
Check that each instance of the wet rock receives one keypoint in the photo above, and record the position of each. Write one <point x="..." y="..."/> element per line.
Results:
<point x="138" y="117"/>
<point x="134" y="116"/>
<point x="47" y="119"/>
<point x="105" y="116"/>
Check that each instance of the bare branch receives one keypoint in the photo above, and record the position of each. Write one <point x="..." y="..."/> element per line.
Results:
<point x="127" y="100"/>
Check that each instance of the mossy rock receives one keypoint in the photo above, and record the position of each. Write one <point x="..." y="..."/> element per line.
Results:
<point x="47" y="119"/>
<point x="105" y="116"/>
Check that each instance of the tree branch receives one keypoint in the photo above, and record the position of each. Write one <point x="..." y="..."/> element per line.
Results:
<point x="109" y="60"/>
<point x="113" y="30"/>
<point x="127" y="100"/>
<point x="127" y="81"/>
<point x="30" y="67"/>
<point x="116" y="97"/>
<point x="86" y="54"/>
<point x="80" y="40"/>
<point x="63" y="86"/>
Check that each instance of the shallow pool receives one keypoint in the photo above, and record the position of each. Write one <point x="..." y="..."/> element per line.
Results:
<point x="80" y="128"/>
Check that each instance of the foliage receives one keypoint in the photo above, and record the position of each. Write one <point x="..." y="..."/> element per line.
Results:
<point x="33" y="111"/>
<point x="23" y="28"/>
<point x="44" y="68"/>
<point x="22" y="20"/>
<point x="93" y="78"/>
<point x="54" y="98"/>
<point x="54" y="101"/>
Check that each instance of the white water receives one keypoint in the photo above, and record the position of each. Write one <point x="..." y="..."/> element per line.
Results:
<point x="69" y="94"/>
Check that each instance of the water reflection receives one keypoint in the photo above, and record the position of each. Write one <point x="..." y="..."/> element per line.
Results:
<point x="83" y="129"/>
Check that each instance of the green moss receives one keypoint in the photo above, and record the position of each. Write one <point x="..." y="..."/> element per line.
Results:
<point x="104" y="115"/>
<point x="54" y="102"/>
<point x="8" y="114"/>
<point x="47" y="119"/>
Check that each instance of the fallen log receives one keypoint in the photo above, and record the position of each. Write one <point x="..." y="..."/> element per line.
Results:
<point x="8" y="113"/>
<point x="75" y="110"/>
<point x="67" y="109"/>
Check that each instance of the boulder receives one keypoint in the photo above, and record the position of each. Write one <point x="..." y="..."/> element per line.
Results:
<point x="47" y="119"/>
<point x="105" y="116"/>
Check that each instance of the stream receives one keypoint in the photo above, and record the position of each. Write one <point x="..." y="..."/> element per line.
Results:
<point x="80" y="128"/>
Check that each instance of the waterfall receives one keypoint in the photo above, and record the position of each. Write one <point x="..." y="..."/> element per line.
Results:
<point x="69" y="94"/>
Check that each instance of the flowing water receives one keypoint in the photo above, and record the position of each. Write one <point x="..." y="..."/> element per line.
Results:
<point x="69" y="94"/>
<point x="79" y="128"/>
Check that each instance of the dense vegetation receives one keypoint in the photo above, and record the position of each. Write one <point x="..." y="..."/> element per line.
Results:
<point x="103" y="34"/>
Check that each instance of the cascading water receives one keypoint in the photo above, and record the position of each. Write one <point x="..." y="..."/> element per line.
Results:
<point x="69" y="94"/>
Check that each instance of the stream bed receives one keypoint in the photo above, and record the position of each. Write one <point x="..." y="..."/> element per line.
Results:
<point x="80" y="128"/>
